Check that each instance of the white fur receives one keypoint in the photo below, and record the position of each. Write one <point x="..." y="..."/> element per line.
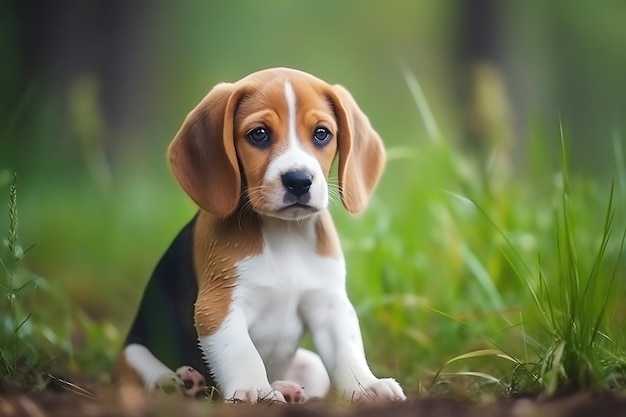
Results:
<point x="294" y="157"/>
<point x="263" y="328"/>
<point x="278" y="294"/>
<point x="290" y="97"/>
<point x="308" y="371"/>
<point x="149" y="368"/>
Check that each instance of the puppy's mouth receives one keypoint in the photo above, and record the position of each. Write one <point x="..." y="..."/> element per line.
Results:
<point x="296" y="210"/>
<point x="290" y="207"/>
<point x="298" y="205"/>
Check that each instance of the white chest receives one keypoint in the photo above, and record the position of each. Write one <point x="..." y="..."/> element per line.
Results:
<point x="271" y="286"/>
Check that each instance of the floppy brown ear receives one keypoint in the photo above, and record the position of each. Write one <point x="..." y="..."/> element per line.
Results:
<point x="202" y="155"/>
<point x="361" y="153"/>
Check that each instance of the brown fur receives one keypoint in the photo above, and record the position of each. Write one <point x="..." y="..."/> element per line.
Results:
<point x="220" y="244"/>
<point x="361" y="154"/>
<point x="327" y="239"/>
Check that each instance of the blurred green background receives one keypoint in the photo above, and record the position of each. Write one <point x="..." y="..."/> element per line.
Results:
<point x="93" y="91"/>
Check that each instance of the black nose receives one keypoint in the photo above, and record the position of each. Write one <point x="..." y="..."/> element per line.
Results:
<point x="297" y="182"/>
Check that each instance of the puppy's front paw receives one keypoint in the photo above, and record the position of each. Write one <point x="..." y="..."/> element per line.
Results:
<point x="169" y="383"/>
<point x="255" y="395"/>
<point x="193" y="381"/>
<point x="384" y="389"/>
<point x="292" y="392"/>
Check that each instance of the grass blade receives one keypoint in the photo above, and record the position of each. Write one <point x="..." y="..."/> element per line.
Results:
<point x="422" y="106"/>
<point x="475" y="354"/>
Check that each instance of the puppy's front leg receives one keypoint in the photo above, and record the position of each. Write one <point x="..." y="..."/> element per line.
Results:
<point x="236" y="364"/>
<point x="335" y="330"/>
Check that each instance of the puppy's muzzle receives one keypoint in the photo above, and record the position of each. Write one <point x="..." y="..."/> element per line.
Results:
<point x="297" y="185"/>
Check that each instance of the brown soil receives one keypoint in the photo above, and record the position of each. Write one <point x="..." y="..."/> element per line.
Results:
<point x="139" y="404"/>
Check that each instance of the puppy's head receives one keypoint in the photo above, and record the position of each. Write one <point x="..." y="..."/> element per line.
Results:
<point x="269" y="140"/>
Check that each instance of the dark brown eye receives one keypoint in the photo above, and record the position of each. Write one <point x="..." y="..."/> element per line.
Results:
<point x="321" y="136"/>
<point x="259" y="136"/>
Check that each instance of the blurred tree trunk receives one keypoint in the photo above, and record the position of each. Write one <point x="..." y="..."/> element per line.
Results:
<point x="92" y="62"/>
<point x="488" y="117"/>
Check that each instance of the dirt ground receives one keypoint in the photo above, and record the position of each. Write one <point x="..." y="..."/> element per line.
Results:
<point x="139" y="404"/>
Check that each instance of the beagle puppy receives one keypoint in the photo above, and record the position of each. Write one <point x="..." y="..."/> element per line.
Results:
<point x="261" y="264"/>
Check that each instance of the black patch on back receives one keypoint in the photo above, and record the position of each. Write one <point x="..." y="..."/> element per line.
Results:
<point x="165" y="320"/>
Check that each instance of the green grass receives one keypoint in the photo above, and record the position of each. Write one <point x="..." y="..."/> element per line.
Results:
<point x="574" y="302"/>
<point x="577" y="305"/>
<point x="40" y="327"/>
<point x="20" y="361"/>
<point x="468" y="280"/>
<point x="475" y="265"/>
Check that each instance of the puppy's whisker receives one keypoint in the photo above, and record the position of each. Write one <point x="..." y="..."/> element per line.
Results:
<point x="334" y="202"/>
<point x="333" y="189"/>
<point x="334" y="197"/>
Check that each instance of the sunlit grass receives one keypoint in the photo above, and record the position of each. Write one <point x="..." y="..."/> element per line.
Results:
<point x="578" y="303"/>
<point x="575" y="339"/>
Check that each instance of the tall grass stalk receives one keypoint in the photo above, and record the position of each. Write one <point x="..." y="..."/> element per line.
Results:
<point x="11" y="343"/>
